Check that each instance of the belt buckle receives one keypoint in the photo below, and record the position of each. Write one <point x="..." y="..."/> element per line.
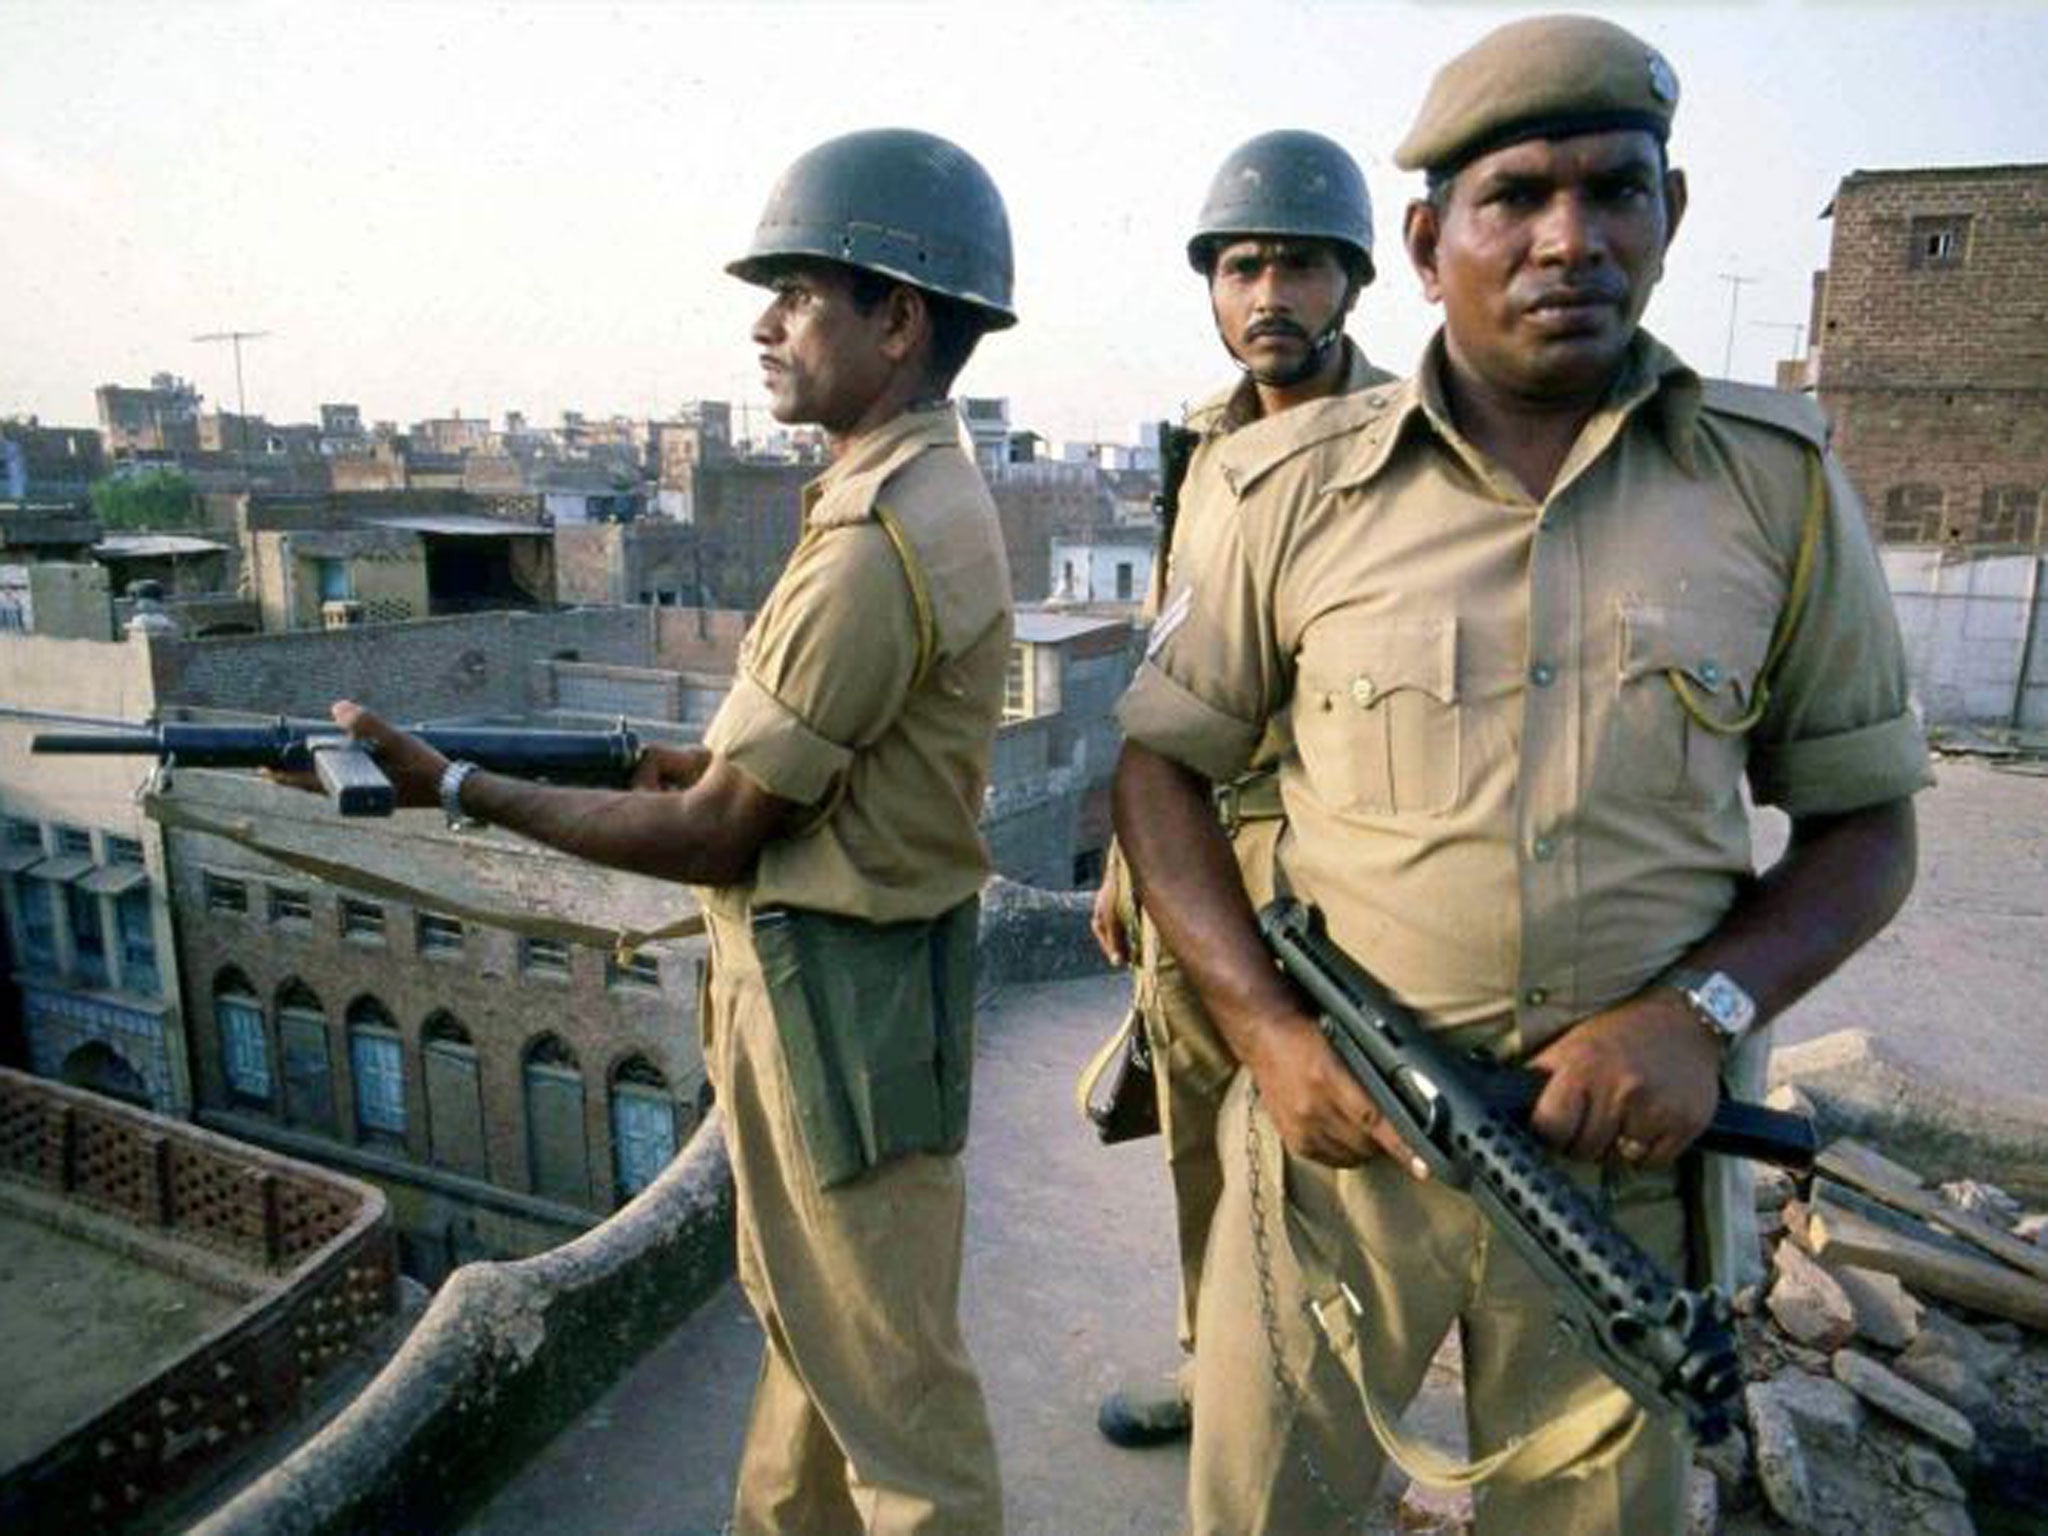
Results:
<point x="1229" y="801"/>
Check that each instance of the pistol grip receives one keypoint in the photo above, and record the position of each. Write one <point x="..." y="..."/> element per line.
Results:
<point x="351" y="777"/>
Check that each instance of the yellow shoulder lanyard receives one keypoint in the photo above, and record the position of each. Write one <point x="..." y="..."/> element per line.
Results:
<point x="1788" y="618"/>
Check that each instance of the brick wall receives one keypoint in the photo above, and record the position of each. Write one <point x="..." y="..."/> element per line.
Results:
<point x="433" y="668"/>
<point x="1933" y="352"/>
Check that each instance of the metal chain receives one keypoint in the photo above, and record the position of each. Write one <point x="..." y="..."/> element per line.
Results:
<point x="1269" y="1318"/>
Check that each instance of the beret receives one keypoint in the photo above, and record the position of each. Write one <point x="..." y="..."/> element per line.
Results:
<point x="1545" y="78"/>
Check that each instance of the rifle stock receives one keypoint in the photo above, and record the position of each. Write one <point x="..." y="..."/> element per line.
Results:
<point x="1670" y="1348"/>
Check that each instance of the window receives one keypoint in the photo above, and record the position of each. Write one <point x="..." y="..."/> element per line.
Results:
<point x="558" y="1154"/>
<point x="244" y="1051"/>
<point x="455" y="1116"/>
<point x="643" y="1125"/>
<point x="24" y="834"/>
<point x="1017" y="684"/>
<point x="38" y="924"/>
<point x="1912" y="515"/>
<point x="74" y="840"/>
<point x="642" y="971"/>
<point x="135" y="923"/>
<point x="290" y="906"/>
<point x="439" y="935"/>
<point x="229" y="897"/>
<point x="1123" y="581"/>
<point x="362" y="922"/>
<point x="2010" y="515"/>
<point x="377" y="1060"/>
<point x="88" y="936"/>
<point x="308" y="1075"/>
<point x="544" y="957"/>
<point x="124" y="851"/>
<point x="1940" y="241"/>
<point x="332" y="579"/>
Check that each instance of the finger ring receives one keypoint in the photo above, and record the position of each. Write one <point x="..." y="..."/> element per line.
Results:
<point x="1631" y="1150"/>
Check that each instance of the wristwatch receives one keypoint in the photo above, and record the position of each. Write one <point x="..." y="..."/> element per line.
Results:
<point x="451" y="797"/>
<point x="1717" y="1000"/>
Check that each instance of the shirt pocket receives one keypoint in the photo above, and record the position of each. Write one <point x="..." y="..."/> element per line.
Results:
<point x="1376" y="715"/>
<point x="1686" y="689"/>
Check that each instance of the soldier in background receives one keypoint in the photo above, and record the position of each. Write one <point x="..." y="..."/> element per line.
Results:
<point x="1531" y="620"/>
<point x="1284" y="243"/>
<point x="830" y="826"/>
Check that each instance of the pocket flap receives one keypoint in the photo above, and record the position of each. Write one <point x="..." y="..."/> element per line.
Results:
<point x="1718" y="652"/>
<point x="1365" y="661"/>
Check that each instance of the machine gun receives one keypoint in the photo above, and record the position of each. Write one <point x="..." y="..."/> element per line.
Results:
<point x="1670" y="1348"/>
<point x="347" y="769"/>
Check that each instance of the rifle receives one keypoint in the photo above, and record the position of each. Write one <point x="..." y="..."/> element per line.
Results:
<point x="1177" y="445"/>
<point x="1668" y="1347"/>
<point x="347" y="769"/>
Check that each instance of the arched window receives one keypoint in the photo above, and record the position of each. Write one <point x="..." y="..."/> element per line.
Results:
<point x="244" y="1046"/>
<point x="376" y="1058"/>
<point x="644" y="1129"/>
<point x="308" y="1066"/>
<point x="557" y="1151"/>
<point x="455" y="1114"/>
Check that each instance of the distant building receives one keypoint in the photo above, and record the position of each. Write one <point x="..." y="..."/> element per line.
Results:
<point x="1101" y="566"/>
<point x="160" y="420"/>
<point x="1928" y="351"/>
<point x="46" y="464"/>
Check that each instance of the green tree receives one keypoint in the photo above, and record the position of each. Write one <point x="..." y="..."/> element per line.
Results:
<point x="157" y="498"/>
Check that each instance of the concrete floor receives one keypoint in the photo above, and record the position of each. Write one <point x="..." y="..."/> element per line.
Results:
<point x="1069" y="1281"/>
<point x="92" y="1321"/>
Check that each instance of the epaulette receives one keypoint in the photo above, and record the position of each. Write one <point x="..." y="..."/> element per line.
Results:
<point x="1797" y="415"/>
<point x="1254" y="451"/>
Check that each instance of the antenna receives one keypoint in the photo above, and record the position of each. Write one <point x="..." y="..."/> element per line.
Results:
<point x="241" y="403"/>
<point x="1735" y="286"/>
<point x="1796" y="330"/>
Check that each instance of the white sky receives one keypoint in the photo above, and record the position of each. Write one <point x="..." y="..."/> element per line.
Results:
<point x="528" y="206"/>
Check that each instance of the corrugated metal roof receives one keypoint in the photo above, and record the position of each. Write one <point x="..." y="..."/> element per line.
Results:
<point x="466" y="524"/>
<point x="1037" y="627"/>
<point x="141" y="545"/>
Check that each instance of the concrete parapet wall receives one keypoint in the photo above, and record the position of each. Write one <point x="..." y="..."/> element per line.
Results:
<point x="511" y="1353"/>
<point x="506" y="1356"/>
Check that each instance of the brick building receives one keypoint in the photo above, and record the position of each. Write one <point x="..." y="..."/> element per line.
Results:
<point x="1931" y="352"/>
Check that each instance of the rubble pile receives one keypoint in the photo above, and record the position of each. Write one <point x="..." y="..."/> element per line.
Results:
<point x="1897" y="1356"/>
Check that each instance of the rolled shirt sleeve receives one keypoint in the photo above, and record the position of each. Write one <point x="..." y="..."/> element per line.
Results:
<point x="1840" y="734"/>
<point x="827" y="667"/>
<point x="1212" y="674"/>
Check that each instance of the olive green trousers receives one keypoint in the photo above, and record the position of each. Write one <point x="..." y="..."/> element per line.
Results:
<point x="868" y="1419"/>
<point x="1421" y="1259"/>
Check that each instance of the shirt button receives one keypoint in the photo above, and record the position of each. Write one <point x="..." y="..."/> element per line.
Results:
<point x="1536" y="997"/>
<point x="1543" y="674"/>
<point x="1544" y="847"/>
<point x="1361" y="691"/>
<point x="1710" y="672"/>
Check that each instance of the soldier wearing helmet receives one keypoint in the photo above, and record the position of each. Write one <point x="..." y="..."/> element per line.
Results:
<point x="829" y="826"/>
<point x="1284" y="242"/>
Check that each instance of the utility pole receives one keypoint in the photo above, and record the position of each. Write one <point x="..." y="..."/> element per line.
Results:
<point x="1792" y="328"/>
<point x="241" y="402"/>
<point x="1735" y="286"/>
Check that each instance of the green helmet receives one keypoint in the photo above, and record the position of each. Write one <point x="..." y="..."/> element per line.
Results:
<point x="908" y="205"/>
<point x="1286" y="183"/>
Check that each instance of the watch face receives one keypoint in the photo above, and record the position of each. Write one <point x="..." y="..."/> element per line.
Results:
<point x="1726" y="1004"/>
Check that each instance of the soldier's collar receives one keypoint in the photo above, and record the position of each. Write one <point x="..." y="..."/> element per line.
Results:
<point x="846" y="492"/>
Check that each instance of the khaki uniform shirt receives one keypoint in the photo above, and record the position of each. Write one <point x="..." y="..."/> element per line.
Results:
<point x="1496" y="796"/>
<point x="871" y="683"/>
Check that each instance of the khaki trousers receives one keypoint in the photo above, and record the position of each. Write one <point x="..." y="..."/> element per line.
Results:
<point x="1421" y="1259"/>
<point x="868" y="1418"/>
<point x="1192" y="1067"/>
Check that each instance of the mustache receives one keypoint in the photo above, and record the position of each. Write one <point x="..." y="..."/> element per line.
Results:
<point x="1262" y="328"/>
<point x="1568" y="295"/>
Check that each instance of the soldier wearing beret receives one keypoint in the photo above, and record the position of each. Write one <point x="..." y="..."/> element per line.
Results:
<point x="830" y="826"/>
<point x="1284" y="244"/>
<point x="1531" y="621"/>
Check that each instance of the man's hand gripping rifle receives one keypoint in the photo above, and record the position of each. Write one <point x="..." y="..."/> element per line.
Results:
<point x="346" y="768"/>
<point x="1671" y="1348"/>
